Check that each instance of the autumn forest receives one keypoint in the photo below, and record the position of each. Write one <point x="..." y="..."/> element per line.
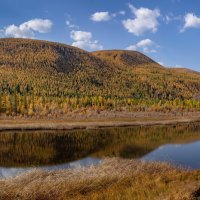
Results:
<point x="39" y="78"/>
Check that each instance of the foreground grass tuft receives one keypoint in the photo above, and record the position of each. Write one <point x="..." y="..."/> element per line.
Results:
<point x="114" y="179"/>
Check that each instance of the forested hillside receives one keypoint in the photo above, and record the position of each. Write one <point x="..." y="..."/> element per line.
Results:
<point x="46" y="77"/>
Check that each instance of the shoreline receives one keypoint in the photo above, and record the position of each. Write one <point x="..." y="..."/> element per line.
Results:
<point x="100" y="121"/>
<point x="114" y="177"/>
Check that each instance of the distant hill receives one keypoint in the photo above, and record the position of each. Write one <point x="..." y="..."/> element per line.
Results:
<point x="185" y="70"/>
<point x="57" y="70"/>
<point x="123" y="58"/>
<point x="26" y="53"/>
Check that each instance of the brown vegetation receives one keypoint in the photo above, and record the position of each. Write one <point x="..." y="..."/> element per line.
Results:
<point x="94" y="120"/>
<point x="113" y="179"/>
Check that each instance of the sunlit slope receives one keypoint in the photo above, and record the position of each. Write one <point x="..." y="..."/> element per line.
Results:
<point x="123" y="58"/>
<point x="154" y="79"/>
<point x="53" y="69"/>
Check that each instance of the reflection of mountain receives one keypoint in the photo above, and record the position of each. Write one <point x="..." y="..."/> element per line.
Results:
<point x="49" y="148"/>
<point x="138" y="141"/>
<point x="45" y="148"/>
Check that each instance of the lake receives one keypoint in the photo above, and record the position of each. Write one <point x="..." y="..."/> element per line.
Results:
<point x="22" y="151"/>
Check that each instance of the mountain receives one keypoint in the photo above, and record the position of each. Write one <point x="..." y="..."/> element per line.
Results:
<point x="185" y="70"/>
<point x="123" y="58"/>
<point x="57" y="70"/>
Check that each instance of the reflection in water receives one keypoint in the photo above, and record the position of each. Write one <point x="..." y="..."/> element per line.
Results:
<point x="13" y="171"/>
<point x="24" y="150"/>
<point x="185" y="155"/>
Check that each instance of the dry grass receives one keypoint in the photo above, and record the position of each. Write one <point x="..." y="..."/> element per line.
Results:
<point x="102" y="120"/>
<point x="114" y="179"/>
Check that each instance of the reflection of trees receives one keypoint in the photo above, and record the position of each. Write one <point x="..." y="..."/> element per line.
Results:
<point x="49" y="147"/>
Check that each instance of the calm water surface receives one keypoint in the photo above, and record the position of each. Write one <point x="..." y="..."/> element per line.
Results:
<point x="52" y="150"/>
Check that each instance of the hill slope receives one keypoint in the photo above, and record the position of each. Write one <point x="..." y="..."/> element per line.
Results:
<point x="53" y="69"/>
<point x="123" y="58"/>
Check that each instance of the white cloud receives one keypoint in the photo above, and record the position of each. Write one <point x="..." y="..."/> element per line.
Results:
<point x="101" y="16"/>
<point x="145" y="20"/>
<point x="122" y="12"/>
<point x="146" y="45"/>
<point x="105" y="16"/>
<point x="81" y="35"/>
<point x="90" y="45"/>
<point x="178" y="66"/>
<point x="28" y="29"/>
<point x="191" y="21"/>
<point x="84" y="40"/>
<point x="171" y="17"/>
<point x="168" y="19"/>
<point x="70" y="25"/>
<point x="17" y="32"/>
<point x="39" y="25"/>
<point x="161" y="63"/>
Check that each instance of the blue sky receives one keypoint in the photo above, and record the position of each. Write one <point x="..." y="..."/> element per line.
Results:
<point x="166" y="30"/>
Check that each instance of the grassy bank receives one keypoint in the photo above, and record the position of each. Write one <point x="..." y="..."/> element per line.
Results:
<point x="97" y="120"/>
<point x="113" y="179"/>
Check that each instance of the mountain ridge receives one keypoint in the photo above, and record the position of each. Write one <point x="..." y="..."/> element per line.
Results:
<point x="69" y="71"/>
<point x="124" y="58"/>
